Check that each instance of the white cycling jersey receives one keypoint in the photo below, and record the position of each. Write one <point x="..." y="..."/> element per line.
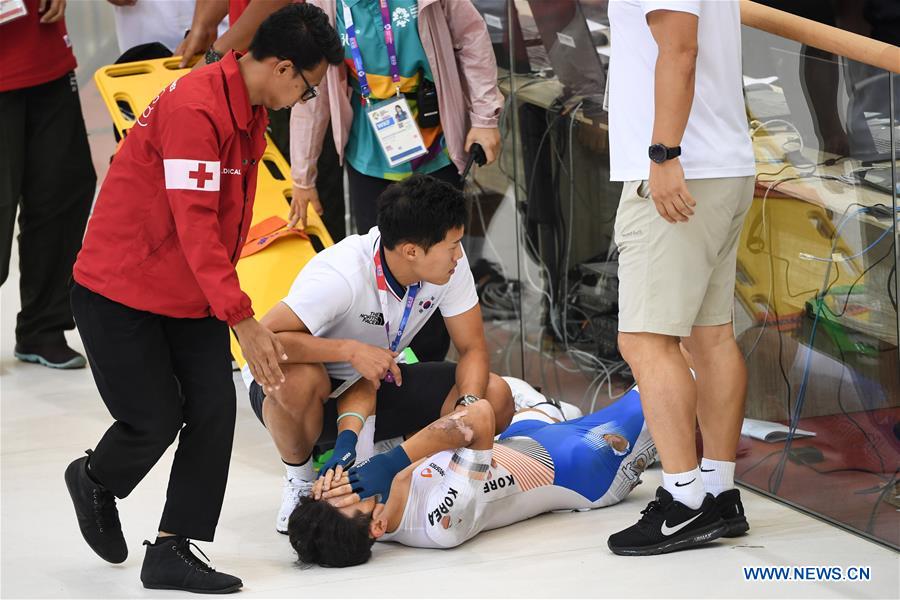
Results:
<point x="454" y="495"/>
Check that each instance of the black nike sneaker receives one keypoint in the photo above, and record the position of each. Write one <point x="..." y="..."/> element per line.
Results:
<point x="732" y="511"/>
<point x="668" y="525"/>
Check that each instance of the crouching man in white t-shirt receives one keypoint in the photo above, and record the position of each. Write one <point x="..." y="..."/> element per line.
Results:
<point x="346" y="321"/>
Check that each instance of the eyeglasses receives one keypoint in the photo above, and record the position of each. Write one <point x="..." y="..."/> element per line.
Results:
<point x="310" y="92"/>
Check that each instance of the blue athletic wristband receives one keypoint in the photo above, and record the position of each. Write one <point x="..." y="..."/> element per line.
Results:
<point x="346" y="440"/>
<point x="344" y="454"/>
<point x="396" y="459"/>
<point x="374" y="477"/>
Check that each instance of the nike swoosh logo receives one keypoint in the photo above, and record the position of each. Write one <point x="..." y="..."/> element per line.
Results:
<point x="702" y="470"/>
<point x="667" y="531"/>
<point x="684" y="484"/>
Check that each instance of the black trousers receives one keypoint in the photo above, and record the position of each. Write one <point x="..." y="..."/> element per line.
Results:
<point x="365" y="190"/>
<point x="162" y="378"/>
<point x="47" y="174"/>
<point x="330" y="186"/>
<point x="433" y="341"/>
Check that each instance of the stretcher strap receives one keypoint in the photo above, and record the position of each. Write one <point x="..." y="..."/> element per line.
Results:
<point x="266" y="232"/>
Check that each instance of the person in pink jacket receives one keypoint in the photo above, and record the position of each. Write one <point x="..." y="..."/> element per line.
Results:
<point x="433" y="54"/>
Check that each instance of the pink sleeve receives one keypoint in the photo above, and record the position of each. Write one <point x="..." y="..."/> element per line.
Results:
<point x="309" y="122"/>
<point x="475" y="58"/>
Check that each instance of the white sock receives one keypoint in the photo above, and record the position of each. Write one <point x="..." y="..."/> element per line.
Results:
<point x="686" y="487"/>
<point x="551" y="411"/>
<point x="718" y="475"/>
<point x="365" y="444"/>
<point x="388" y="444"/>
<point x="302" y="472"/>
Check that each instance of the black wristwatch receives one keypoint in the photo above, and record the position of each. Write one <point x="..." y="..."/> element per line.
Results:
<point x="212" y="56"/>
<point x="660" y="153"/>
<point x="466" y="400"/>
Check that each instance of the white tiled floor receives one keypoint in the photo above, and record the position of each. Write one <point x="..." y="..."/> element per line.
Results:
<point x="50" y="417"/>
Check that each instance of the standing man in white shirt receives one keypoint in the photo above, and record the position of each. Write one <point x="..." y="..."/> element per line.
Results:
<point x="679" y="140"/>
<point x="352" y="312"/>
<point x="144" y="21"/>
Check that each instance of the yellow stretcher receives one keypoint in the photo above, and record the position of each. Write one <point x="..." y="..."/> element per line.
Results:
<point x="266" y="275"/>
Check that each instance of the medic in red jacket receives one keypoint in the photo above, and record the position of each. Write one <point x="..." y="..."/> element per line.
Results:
<point x="174" y="210"/>
<point x="156" y="285"/>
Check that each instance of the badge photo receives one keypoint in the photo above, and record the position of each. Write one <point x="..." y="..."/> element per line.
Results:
<point x="399" y="137"/>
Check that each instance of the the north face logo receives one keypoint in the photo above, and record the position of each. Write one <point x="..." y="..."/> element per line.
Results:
<point x="373" y="318"/>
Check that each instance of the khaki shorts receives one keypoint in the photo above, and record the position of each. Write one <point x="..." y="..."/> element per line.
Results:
<point x="675" y="276"/>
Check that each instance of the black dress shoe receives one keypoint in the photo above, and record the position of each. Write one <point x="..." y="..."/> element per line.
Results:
<point x="98" y="518"/>
<point x="169" y="564"/>
<point x="732" y="510"/>
<point x="54" y="355"/>
<point x="668" y="525"/>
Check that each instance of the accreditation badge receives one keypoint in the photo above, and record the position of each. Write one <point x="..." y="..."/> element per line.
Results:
<point x="396" y="130"/>
<point x="11" y="10"/>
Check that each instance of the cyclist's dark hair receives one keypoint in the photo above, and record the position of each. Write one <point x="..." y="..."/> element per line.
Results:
<point x="322" y="535"/>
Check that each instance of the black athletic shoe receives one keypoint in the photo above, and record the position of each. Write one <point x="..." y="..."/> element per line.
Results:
<point x="732" y="511"/>
<point x="668" y="525"/>
<point x="169" y="564"/>
<point x="55" y="356"/>
<point x="98" y="518"/>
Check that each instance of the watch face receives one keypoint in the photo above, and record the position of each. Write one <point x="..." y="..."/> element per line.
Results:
<point x="467" y="400"/>
<point x="657" y="153"/>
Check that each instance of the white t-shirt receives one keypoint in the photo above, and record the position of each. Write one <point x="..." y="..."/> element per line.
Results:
<point x="716" y="142"/>
<point x="164" y="21"/>
<point x="336" y="297"/>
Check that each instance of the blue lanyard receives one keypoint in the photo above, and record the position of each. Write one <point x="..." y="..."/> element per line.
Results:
<point x="381" y="284"/>
<point x="352" y="40"/>
<point x="407" y="310"/>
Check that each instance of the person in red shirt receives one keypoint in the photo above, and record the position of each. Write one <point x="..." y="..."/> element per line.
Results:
<point x="156" y="291"/>
<point x="46" y="174"/>
<point x="244" y="17"/>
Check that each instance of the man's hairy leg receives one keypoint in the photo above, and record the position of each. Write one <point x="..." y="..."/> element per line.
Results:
<point x="293" y="413"/>
<point x="668" y="396"/>
<point x="721" y="388"/>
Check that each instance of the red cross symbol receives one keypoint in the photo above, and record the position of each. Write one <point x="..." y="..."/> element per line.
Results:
<point x="201" y="175"/>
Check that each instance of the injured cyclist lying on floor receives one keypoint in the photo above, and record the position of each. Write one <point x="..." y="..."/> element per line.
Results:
<point x="454" y="479"/>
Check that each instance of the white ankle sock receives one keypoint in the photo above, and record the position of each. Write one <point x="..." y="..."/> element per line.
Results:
<point x="686" y="487"/>
<point x="718" y="475"/>
<point x="302" y="472"/>
<point x="365" y="443"/>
